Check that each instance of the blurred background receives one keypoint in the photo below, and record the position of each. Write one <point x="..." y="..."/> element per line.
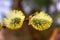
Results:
<point x="52" y="7"/>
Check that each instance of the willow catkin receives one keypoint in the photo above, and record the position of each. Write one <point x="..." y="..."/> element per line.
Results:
<point x="41" y="21"/>
<point x="0" y="25"/>
<point x="14" y="19"/>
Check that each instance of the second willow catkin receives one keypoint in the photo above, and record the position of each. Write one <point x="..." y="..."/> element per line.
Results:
<point x="41" y="21"/>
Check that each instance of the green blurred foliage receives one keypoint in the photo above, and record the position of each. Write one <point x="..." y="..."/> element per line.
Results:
<point x="42" y="3"/>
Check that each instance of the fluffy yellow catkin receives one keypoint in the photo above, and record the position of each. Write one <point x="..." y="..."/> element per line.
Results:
<point x="41" y="21"/>
<point x="14" y="19"/>
<point x="0" y="25"/>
